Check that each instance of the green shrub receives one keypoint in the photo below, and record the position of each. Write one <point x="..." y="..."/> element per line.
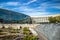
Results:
<point x="1" y="30"/>
<point x="14" y="31"/>
<point x="26" y="30"/>
<point x="55" y="19"/>
<point x="30" y="37"/>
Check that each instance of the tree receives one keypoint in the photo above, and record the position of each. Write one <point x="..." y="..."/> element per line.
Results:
<point x="58" y="19"/>
<point x="52" y="19"/>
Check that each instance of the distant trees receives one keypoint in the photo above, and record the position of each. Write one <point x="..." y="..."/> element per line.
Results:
<point x="54" y="19"/>
<point x="58" y="19"/>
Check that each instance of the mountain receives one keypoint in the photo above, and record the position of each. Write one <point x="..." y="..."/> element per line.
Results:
<point x="8" y="16"/>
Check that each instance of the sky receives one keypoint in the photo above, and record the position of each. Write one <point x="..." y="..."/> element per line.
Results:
<point x="32" y="7"/>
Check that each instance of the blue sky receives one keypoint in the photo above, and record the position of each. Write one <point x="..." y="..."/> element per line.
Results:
<point x="32" y="7"/>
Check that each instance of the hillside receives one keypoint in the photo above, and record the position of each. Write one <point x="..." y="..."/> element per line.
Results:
<point x="8" y="16"/>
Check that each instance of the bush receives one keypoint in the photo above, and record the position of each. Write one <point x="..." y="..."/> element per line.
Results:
<point x="30" y="37"/>
<point x="2" y="33"/>
<point x="14" y="31"/>
<point x="1" y="30"/>
<point x="54" y="19"/>
<point x="26" y="30"/>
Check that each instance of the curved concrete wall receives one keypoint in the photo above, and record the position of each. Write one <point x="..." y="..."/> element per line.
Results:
<point x="51" y="31"/>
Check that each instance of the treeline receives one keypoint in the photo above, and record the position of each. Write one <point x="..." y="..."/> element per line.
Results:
<point x="55" y="19"/>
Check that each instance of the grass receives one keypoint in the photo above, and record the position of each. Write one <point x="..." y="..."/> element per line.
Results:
<point x="9" y="37"/>
<point x="5" y="31"/>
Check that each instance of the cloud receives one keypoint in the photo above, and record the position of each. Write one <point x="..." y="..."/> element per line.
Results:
<point x="49" y="4"/>
<point x="41" y="10"/>
<point x="30" y="2"/>
<point x="24" y="8"/>
<point x="58" y="7"/>
<point x="32" y="11"/>
<point x="10" y="4"/>
<point x="46" y="5"/>
<point x="36" y="13"/>
<point x="1" y="6"/>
